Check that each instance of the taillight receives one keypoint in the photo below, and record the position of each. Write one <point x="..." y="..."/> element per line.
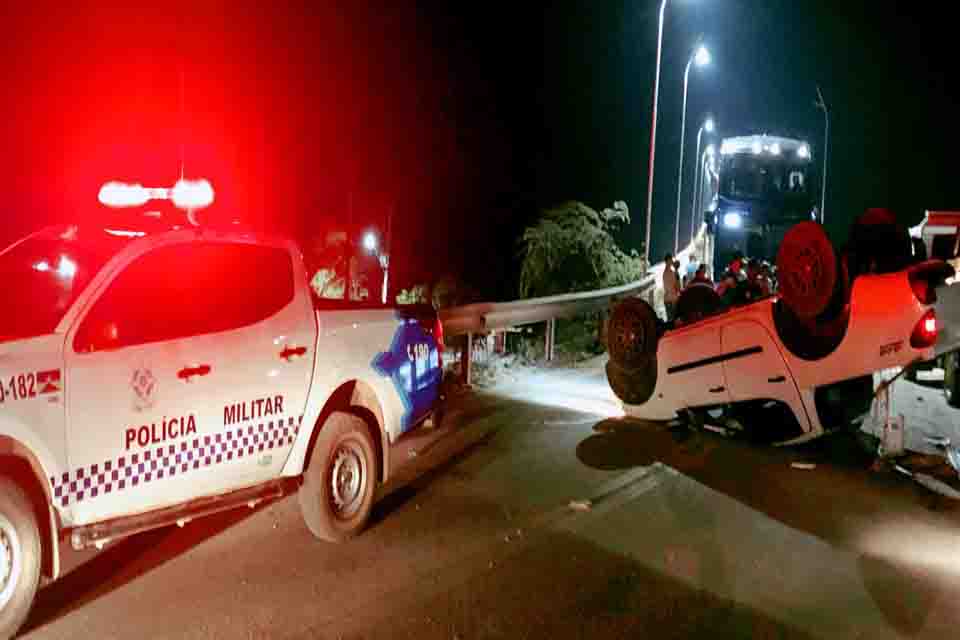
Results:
<point x="925" y="333"/>
<point x="438" y="338"/>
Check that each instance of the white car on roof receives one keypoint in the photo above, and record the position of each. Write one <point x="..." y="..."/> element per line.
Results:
<point x="805" y="354"/>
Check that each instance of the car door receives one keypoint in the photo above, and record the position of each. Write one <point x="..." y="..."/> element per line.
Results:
<point x="173" y="393"/>
<point x="694" y="372"/>
<point x="754" y="368"/>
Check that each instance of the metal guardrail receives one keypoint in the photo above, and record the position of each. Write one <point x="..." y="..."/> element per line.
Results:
<point x="493" y="316"/>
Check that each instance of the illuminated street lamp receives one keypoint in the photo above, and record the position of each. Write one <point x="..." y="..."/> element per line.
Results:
<point x="700" y="56"/>
<point x="708" y="127"/>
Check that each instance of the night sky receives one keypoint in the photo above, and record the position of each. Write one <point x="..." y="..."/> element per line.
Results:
<point x="463" y="121"/>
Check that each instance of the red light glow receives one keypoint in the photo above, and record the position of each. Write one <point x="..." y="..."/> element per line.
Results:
<point x="925" y="333"/>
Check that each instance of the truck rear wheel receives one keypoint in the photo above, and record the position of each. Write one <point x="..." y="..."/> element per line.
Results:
<point x="338" y="485"/>
<point x="19" y="557"/>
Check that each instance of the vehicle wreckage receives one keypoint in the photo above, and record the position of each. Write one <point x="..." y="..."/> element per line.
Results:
<point x="815" y="357"/>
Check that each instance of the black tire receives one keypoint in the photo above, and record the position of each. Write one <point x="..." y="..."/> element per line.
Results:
<point x="696" y="302"/>
<point x="816" y="338"/>
<point x="632" y="333"/>
<point x="877" y="243"/>
<point x="343" y="454"/>
<point x="20" y="568"/>
<point x="807" y="270"/>
<point x="633" y="386"/>
<point x="951" y="378"/>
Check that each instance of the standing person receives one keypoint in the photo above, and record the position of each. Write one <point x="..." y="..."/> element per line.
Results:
<point x="736" y="265"/>
<point x="671" y="286"/>
<point x="700" y="276"/>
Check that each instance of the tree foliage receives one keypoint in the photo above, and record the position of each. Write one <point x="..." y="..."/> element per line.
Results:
<point x="571" y="248"/>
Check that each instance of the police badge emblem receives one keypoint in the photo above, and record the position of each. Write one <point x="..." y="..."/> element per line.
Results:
<point x="144" y="386"/>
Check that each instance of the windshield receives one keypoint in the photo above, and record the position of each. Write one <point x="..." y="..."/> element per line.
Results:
<point x="744" y="176"/>
<point x="44" y="274"/>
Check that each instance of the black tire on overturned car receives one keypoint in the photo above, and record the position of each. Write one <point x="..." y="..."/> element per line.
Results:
<point x="632" y="333"/>
<point x="813" y="312"/>
<point x="636" y="385"/>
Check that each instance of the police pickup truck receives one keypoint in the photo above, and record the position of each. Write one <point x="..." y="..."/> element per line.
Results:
<point x="153" y="373"/>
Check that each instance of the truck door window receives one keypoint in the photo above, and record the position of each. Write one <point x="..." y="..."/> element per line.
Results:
<point x="186" y="290"/>
<point x="944" y="247"/>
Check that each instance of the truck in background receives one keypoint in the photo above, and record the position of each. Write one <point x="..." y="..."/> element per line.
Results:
<point x="938" y="236"/>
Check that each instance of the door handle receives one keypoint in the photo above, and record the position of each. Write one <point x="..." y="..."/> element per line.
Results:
<point x="188" y="372"/>
<point x="720" y="389"/>
<point x="289" y="353"/>
<point x="777" y="379"/>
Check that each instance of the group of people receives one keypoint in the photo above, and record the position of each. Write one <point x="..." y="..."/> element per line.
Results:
<point x="744" y="280"/>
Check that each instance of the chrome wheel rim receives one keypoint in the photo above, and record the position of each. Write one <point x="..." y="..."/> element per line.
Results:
<point x="348" y="479"/>
<point x="11" y="560"/>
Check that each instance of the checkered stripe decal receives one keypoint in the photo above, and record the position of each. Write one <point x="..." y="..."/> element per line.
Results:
<point x="166" y="461"/>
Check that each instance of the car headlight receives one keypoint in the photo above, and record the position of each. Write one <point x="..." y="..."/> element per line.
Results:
<point x="733" y="220"/>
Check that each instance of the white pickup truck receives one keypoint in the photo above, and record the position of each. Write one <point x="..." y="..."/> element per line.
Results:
<point x="937" y="236"/>
<point x="150" y="375"/>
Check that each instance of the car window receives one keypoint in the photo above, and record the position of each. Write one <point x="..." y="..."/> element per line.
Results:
<point x="341" y="274"/>
<point x="944" y="247"/>
<point x="186" y="290"/>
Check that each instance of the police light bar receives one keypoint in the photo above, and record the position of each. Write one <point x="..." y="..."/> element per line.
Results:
<point x="185" y="194"/>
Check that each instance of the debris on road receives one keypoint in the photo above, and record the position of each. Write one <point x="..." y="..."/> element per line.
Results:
<point x="581" y="505"/>
<point x="715" y="429"/>
<point x="805" y="466"/>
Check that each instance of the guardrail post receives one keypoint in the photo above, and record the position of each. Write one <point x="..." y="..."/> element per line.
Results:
<point x="466" y="360"/>
<point x="551" y="336"/>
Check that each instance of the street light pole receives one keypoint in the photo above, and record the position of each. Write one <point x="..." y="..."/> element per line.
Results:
<point x="708" y="125"/>
<point x="653" y="133"/>
<point x="702" y="57"/>
<point x="821" y="104"/>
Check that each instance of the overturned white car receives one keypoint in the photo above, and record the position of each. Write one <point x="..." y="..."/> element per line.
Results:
<point x="802" y="359"/>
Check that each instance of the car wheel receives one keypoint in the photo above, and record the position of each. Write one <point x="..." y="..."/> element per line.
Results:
<point x="877" y="243"/>
<point x="633" y="386"/>
<point x="951" y="378"/>
<point x="632" y="333"/>
<point x="696" y="302"/>
<point x="338" y="485"/>
<point x="19" y="557"/>
<point x="807" y="270"/>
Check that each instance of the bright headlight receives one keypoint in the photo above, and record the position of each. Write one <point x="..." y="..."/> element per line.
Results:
<point x="732" y="220"/>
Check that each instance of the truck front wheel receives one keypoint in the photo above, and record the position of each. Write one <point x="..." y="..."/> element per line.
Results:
<point x="338" y="485"/>
<point x="19" y="557"/>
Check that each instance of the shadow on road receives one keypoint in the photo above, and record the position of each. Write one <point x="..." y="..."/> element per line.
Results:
<point x="840" y="501"/>
<point x="124" y="562"/>
<point x="560" y="585"/>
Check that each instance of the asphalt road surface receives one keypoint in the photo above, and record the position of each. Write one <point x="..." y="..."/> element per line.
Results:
<point x="684" y="536"/>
